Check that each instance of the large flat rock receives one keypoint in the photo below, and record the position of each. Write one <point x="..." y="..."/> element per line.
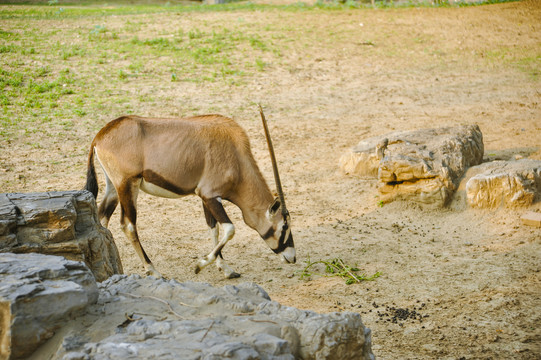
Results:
<point x="61" y="223"/>
<point x="141" y="318"/>
<point x="52" y="308"/>
<point x="422" y="165"/>
<point x="37" y="294"/>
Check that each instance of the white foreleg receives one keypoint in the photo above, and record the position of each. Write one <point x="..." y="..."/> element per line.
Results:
<point x="229" y="273"/>
<point x="229" y="232"/>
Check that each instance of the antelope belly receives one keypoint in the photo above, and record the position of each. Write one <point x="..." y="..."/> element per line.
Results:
<point x="156" y="190"/>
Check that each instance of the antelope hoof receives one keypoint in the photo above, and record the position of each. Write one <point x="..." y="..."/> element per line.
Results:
<point x="153" y="272"/>
<point x="232" y="275"/>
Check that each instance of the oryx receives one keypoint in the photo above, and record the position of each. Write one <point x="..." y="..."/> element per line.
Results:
<point x="206" y="155"/>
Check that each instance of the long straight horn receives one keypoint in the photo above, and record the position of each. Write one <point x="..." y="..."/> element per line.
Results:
<point x="274" y="164"/>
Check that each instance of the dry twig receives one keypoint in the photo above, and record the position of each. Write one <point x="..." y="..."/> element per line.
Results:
<point x="203" y="338"/>
<point x="154" y="298"/>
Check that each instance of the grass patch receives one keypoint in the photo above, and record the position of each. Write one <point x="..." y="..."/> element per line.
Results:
<point x="335" y="267"/>
<point x="530" y="65"/>
<point x="72" y="10"/>
<point x="51" y="72"/>
<point x="33" y="88"/>
<point x="79" y="62"/>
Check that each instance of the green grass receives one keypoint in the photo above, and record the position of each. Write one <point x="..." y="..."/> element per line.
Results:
<point x="66" y="64"/>
<point x="32" y="89"/>
<point x="524" y="59"/>
<point x="335" y="267"/>
<point x="83" y="56"/>
<point x="73" y="9"/>
<point x="530" y="65"/>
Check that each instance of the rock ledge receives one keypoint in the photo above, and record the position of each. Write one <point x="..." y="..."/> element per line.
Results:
<point x="61" y="223"/>
<point x="172" y="320"/>
<point x="48" y="298"/>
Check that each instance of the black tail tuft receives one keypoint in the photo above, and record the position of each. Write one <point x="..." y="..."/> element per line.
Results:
<point x="91" y="181"/>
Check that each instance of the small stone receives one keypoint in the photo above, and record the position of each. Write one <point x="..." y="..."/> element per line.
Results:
<point x="531" y="219"/>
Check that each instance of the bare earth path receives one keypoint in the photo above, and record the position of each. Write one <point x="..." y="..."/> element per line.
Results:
<point x="459" y="283"/>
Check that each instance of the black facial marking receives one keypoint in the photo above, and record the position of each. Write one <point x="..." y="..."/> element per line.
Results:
<point x="275" y="206"/>
<point x="284" y="243"/>
<point x="281" y="242"/>
<point x="268" y="234"/>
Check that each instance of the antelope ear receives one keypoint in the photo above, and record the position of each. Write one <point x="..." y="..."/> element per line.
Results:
<point x="275" y="206"/>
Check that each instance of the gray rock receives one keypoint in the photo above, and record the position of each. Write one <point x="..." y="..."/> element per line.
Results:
<point x="504" y="183"/>
<point x="423" y="165"/>
<point x="171" y="320"/>
<point x="58" y="223"/>
<point x="37" y="293"/>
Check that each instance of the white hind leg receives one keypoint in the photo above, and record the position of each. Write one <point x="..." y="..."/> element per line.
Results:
<point x="128" y="205"/>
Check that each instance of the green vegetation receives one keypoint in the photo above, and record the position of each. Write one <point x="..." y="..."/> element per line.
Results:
<point x="335" y="267"/>
<point x="74" y="9"/>
<point x="68" y="61"/>
<point x="49" y="72"/>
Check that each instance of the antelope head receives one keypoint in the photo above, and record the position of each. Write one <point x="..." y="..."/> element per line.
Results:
<point x="279" y="237"/>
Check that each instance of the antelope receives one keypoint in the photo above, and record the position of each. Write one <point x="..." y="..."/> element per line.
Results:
<point x="207" y="155"/>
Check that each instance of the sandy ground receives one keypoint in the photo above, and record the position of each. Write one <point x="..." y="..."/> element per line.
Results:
<point x="459" y="283"/>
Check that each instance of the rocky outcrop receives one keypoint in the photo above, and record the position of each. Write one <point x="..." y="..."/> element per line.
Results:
<point x="171" y="320"/>
<point x="37" y="294"/>
<point x="422" y="165"/>
<point x="58" y="223"/>
<point x="143" y="318"/>
<point x="504" y="183"/>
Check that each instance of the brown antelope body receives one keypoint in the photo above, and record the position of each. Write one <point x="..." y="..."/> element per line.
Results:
<point x="205" y="155"/>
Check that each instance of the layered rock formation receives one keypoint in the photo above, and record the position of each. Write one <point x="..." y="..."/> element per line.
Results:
<point x="61" y="223"/>
<point x="141" y="318"/>
<point x="37" y="294"/>
<point x="504" y="183"/>
<point x="172" y="320"/>
<point x="422" y="165"/>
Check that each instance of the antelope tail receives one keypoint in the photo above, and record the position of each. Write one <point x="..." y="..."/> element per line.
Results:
<point x="91" y="181"/>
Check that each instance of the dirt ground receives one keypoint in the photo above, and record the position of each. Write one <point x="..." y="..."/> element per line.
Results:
<point x="456" y="283"/>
